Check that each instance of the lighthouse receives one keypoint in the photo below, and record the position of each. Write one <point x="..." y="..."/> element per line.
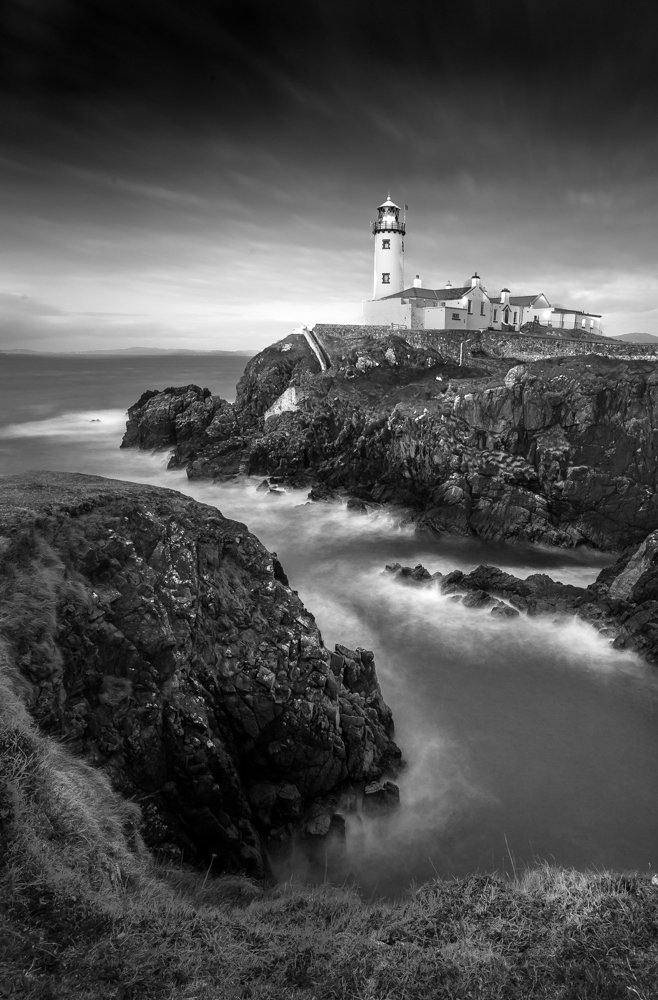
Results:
<point x="389" y="250"/>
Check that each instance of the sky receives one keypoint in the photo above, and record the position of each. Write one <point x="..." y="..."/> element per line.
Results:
<point x="203" y="174"/>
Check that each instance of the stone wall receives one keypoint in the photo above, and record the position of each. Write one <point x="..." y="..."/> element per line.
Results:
<point x="495" y="343"/>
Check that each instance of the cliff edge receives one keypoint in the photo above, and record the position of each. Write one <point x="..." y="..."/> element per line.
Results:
<point x="162" y="643"/>
<point x="561" y="450"/>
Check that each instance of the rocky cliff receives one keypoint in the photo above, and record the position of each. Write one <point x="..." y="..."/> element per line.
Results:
<point x="622" y="602"/>
<point x="162" y="642"/>
<point x="561" y="451"/>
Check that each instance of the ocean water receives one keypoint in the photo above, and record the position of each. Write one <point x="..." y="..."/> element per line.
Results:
<point x="525" y="740"/>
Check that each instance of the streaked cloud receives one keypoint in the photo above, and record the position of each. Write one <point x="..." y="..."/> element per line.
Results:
<point x="210" y="173"/>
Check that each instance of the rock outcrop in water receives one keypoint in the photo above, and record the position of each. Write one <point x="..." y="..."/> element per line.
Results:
<point x="622" y="602"/>
<point x="160" y="640"/>
<point x="561" y="451"/>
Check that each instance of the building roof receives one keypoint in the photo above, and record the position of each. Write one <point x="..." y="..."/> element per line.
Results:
<point x="524" y="300"/>
<point x="442" y="294"/>
<point x="520" y="300"/>
<point x="453" y="293"/>
<point x="576" y="312"/>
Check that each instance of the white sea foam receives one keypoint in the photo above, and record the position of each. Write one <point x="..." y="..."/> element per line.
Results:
<point x="70" y="426"/>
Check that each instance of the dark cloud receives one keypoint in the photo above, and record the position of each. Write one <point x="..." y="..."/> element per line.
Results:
<point x="142" y="137"/>
<point x="249" y="60"/>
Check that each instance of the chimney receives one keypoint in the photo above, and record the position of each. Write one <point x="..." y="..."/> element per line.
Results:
<point x="475" y="280"/>
<point x="417" y="282"/>
<point x="504" y="296"/>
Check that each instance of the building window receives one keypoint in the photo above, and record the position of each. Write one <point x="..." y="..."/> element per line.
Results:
<point x="386" y="244"/>
<point x="495" y="319"/>
<point x="514" y="320"/>
<point x="481" y="308"/>
<point x="536" y="318"/>
<point x="470" y="307"/>
<point x="583" y="322"/>
<point x="386" y="278"/>
<point x="455" y="315"/>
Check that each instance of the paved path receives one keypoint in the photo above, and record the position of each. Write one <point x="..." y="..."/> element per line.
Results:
<point x="317" y="348"/>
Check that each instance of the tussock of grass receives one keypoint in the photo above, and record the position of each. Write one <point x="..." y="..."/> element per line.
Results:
<point x="86" y="913"/>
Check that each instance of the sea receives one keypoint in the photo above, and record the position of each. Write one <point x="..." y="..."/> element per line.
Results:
<point x="526" y="741"/>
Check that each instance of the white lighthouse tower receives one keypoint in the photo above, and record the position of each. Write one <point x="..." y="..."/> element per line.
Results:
<point x="389" y="250"/>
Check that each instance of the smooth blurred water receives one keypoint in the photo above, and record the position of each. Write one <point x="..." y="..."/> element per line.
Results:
<point x="525" y="738"/>
<point x="48" y="402"/>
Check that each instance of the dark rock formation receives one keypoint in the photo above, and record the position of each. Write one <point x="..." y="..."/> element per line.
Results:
<point x="560" y="451"/>
<point x="537" y="594"/>
<point x="288" y="362"/>
<point x="380" y="796"/>
<point x="161" y="641"/>
<point x="622" y="601"/>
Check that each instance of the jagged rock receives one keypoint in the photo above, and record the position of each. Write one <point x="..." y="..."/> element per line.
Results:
<point x="408" y="574"/>
<point x="560" y="451"/>
<point x="622" y="603"/>
<point x="639" y="578"/>
<point x="324" y="494"/>
<point x="279" y="572"/>
<point x="501" y="610"/>
<point x="380" y="796"/>
<point x="269" y="373"/>
<point x="515" y="376"/>
<point x="160" y="640"/>
<point x="477" y="599"/>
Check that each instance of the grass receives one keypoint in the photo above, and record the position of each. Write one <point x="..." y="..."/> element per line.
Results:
<point x="86" y="912"/>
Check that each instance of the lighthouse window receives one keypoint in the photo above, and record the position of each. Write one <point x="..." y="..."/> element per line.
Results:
<point x="515" y="317"/>
<point x="386" y="278"/>
<point x="481" y="308"/>
<point x="495" y="315"/>
<point x="470" y="307"/>
<point x="386" y="244"/>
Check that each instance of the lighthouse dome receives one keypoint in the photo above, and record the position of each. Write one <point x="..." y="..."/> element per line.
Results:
<point x="388" y="203"/>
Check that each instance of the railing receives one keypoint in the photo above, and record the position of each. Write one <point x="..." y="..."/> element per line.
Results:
<point x="388" y="226"/>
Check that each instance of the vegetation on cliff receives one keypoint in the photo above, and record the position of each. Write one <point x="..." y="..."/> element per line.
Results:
<point x="86" y="912"/>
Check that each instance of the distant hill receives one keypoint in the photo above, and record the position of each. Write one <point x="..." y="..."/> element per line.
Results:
<point x="142" y="351"/>
<point x="637" y="338"/>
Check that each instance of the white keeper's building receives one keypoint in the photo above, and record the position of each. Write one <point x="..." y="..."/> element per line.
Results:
<point x="466" y="307"/>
